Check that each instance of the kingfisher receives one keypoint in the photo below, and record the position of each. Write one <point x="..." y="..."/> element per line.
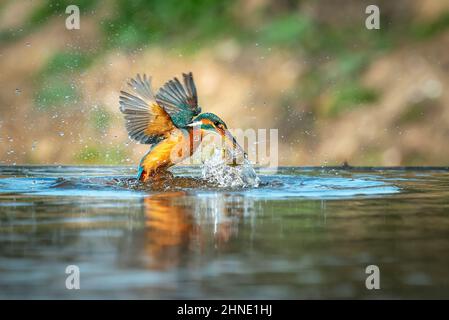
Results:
<point x="171" y="122"/>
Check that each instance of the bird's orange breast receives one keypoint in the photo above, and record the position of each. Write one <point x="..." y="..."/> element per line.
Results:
<point x="176" y="147"/>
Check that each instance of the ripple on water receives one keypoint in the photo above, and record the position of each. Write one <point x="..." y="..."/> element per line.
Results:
<point x="290" y="184"/>
<point x="138" y="241"/>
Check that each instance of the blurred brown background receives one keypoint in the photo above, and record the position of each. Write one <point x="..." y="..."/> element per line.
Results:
<point x="335" y="90"/>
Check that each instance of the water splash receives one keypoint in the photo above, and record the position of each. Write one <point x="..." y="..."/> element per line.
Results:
<point x="120" y="182"/>
<point x="216" y="170"/>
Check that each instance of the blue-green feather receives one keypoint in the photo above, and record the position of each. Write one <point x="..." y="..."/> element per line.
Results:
<point x="180" y="101"/>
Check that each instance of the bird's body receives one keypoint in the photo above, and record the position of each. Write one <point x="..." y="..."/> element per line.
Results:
<point x="176" y="147"/>
<point x="170" y="121"/>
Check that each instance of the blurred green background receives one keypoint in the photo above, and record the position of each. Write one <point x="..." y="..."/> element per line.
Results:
<point x="336" y="91"/>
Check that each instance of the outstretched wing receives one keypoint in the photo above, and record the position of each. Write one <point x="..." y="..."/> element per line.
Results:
<point x="146" y="121"/>
<point x="179" y="101"/>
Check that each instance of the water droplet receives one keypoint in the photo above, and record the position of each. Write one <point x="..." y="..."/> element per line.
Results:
<point x="18" y="91"/>
<point x="61" y="134"/>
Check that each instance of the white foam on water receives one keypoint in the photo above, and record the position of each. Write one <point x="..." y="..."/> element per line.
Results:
<point x="216" y="170"/>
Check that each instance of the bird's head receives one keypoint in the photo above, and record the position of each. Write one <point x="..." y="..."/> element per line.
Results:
<point x="209" y="122"/>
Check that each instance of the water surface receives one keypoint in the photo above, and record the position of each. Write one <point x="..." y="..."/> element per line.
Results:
<point x="303" y="233"/>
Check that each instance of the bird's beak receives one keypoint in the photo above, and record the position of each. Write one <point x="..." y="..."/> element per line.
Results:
<point x="238" y="153"/>
<point x="237" y="150"/>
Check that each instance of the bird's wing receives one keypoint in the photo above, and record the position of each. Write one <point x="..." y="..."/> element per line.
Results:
<point x="146" y="121"/>
<point x="179" y="101"/>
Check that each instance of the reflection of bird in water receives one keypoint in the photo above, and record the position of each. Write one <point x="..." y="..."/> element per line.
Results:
<point x="178" y="224"/>
<point x="169" y="121"/>
<point x="169" y="228"/>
